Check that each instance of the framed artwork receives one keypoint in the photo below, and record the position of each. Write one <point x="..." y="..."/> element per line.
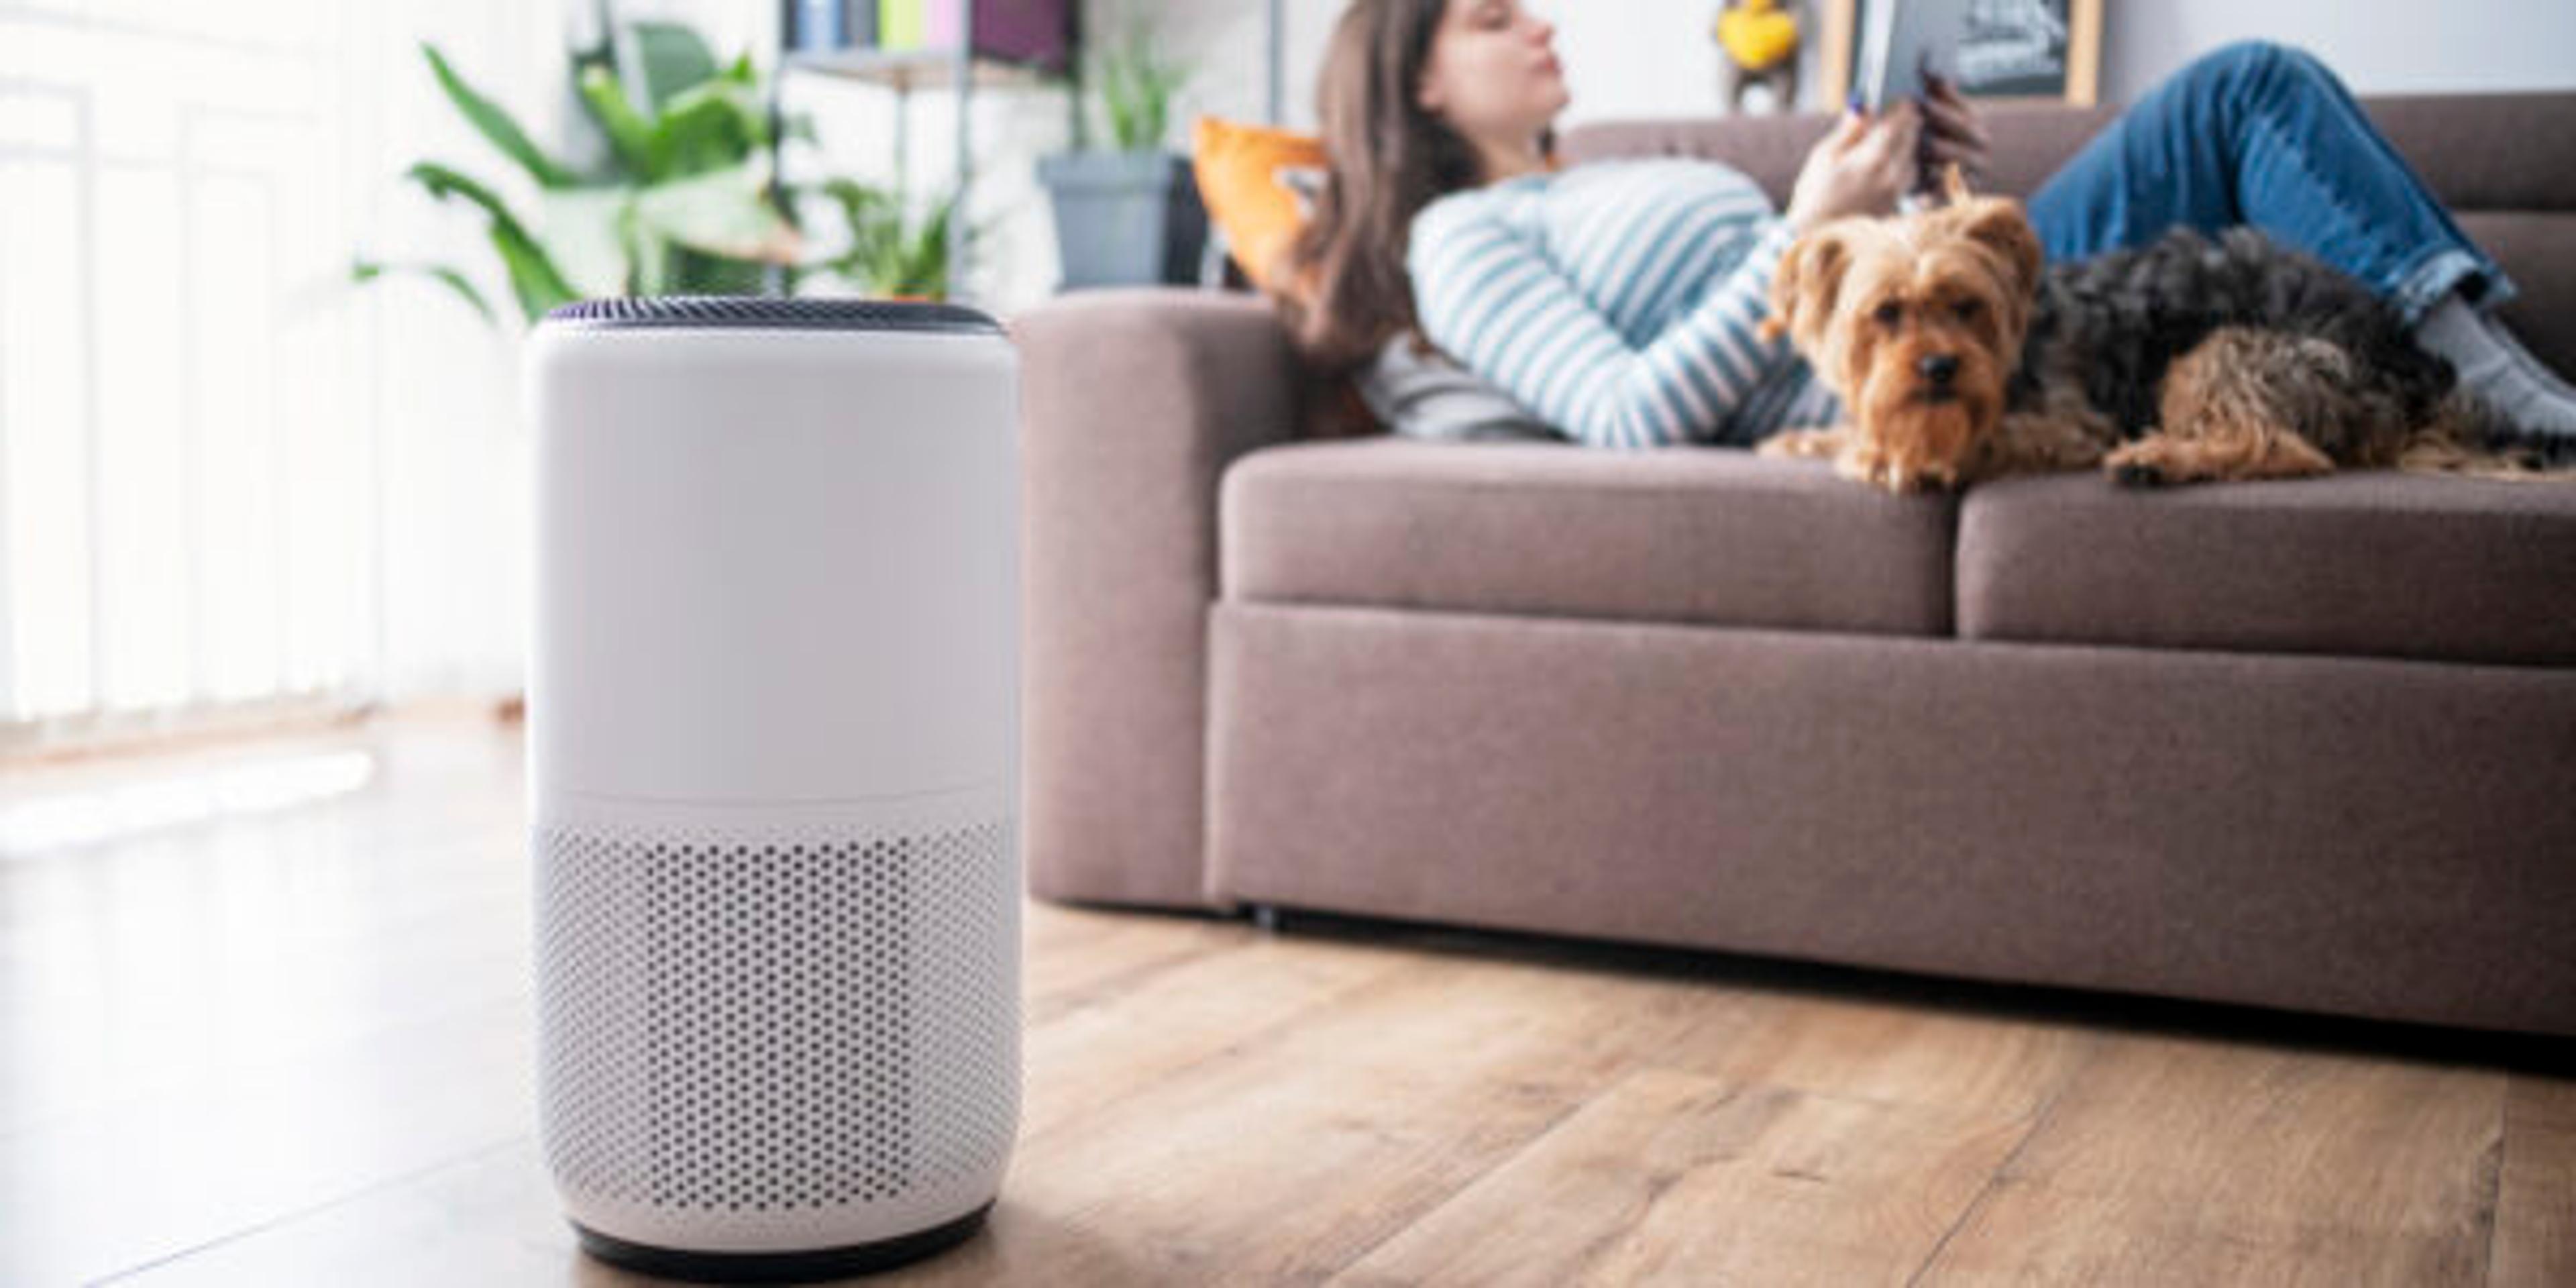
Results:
<point x="2014" y="50"/>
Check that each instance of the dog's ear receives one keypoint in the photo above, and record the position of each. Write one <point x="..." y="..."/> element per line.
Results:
<point x="1805" y="285"/>
<point x="1998" y="224"/>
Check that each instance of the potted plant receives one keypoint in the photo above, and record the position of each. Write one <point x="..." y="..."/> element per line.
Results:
<point x="683" y="201"/>
<point x="889" y="254"/>
<point x="1128" y="214"/>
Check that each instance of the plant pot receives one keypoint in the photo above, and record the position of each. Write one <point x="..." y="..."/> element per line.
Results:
<point x="1125" y="218"/>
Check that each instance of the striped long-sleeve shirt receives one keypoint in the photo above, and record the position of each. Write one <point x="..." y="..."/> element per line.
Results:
<point x="1619" y="301"/>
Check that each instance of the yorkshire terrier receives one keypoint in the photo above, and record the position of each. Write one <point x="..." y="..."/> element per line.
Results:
<point x="1960" y="356"/>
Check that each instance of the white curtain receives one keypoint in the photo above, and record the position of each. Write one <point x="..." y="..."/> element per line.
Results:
<point x="227" y="476"/>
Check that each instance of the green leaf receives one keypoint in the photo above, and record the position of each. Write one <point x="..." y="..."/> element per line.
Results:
<point x="875" y="220"/>
<point x="443" y="183"/>
<point x="713" y="126"/>
<point x="637" y="143"/>
<point x="887" y="255"/>
<point x="694" y="273"/>
<point x="723" y="212"/>
<point x="683" y="201"/>
<point x="923" y="269"/>
<point x="1136" y="85"/>
<point x="674" y="59"/>
<point x="368" y="271"/>
<point x="859" y="197"/>
<point x="496" y="124"/>
<point x="533" y="277"/>
<point x="651" y="254"/>
<point x="587" y="236"/>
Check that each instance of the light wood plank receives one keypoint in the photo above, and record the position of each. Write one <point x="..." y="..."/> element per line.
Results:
<point x="105" y="1192"/>
<point x="1899" y="1053"/>
<point x="245" y="973"/>
<point x="485" y="1219"/>
<point x="1077" y="957"/>
<point x="209" y="1027"/>
<point x="1289" y="1156"/>
<point x="2186" y="1161"/>
<point x="2535" y="1219"/>
<point x="1086" y="1060"/>
<point x="1675" y="1178"/>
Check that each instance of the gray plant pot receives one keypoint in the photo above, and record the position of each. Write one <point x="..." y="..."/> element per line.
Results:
<point x="1125" y="218"/>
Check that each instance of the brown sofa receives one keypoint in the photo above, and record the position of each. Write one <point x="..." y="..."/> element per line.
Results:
<point x="2307" y="745"/>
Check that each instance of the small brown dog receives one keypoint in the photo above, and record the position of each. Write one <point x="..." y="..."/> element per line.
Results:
<point x="1959" y="356"/>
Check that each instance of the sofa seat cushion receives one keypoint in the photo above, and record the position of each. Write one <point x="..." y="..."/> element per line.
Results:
<point x="1697" y="535"/>
<point x="2364" y="564"/>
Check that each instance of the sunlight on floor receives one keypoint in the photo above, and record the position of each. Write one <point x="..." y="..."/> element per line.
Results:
<point x="35" y="825"/>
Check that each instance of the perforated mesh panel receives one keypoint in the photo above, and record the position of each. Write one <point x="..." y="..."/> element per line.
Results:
<point x="771" y="1026"/>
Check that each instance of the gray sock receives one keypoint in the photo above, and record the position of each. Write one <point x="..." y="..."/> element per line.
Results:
<point x="2497" y="369"/>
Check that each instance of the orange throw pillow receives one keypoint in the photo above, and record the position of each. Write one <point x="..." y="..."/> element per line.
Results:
<point x="1245" y="175"/>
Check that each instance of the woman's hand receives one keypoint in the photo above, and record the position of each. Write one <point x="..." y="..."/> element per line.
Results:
<point x="1861" y="168"/>
<point x="1951" y="132"/>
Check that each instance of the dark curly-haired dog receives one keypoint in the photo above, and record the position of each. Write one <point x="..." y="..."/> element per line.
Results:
<point x="2195" y="358"/>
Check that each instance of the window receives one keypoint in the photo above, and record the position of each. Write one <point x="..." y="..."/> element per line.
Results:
<point x="227" y="476"/>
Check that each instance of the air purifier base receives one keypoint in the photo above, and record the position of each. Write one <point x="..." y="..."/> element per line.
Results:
<point x="781" y="1267"/>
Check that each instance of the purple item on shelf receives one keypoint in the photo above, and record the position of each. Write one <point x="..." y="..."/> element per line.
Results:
<point x="1038" y="32"/>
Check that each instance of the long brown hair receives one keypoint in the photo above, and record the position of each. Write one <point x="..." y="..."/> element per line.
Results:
<point x="1343" y="290"/>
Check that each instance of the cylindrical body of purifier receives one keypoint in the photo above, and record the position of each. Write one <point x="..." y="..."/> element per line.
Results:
<point x="773" y="731"/>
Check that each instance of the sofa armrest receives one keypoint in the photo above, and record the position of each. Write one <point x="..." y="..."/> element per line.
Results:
<point x="1132" y="404"/>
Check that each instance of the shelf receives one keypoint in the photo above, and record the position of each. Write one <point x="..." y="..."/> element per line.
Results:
<point x="910" y="69"/>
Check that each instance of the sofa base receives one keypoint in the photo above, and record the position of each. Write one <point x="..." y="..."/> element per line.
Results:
<point x="2371" y="838"/>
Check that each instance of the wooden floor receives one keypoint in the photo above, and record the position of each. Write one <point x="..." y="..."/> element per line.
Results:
<point x="297" y="1048"/>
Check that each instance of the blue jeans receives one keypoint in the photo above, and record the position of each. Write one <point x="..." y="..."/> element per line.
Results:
<point x="2261" y="134"/>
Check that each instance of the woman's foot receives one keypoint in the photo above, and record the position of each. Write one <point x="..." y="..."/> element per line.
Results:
<point x="2495" y="368"/>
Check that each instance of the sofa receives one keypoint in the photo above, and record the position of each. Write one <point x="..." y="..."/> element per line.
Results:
<point x="2306" y="745"/>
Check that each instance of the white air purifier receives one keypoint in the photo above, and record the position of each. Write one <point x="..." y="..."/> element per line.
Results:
<point x="773" y="731"/>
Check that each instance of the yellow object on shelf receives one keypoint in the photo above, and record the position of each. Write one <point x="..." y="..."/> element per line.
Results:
<point x="1756" y="34"/>
<point x="900" y="25"/>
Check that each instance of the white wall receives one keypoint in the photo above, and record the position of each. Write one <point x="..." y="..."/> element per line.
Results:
<point x="1625" y="58"/>
<point x="2379" y="47"/>
<point x="1628" y="58"/>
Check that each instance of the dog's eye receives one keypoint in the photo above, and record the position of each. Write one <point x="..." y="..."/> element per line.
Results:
<point x="1887" y="314"/>
<point x="1968" y="309"/>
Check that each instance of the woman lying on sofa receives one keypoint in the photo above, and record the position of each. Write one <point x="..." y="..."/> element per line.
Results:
<point x="1617" y="303"/>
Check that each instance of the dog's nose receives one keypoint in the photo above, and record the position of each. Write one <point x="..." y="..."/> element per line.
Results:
<point x="1938" y="367"/>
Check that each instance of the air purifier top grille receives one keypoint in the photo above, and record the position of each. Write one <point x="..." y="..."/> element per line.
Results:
<point x="772" y="314"/>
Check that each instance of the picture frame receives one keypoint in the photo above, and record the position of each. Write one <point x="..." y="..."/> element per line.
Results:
<point x="2025" y="59"/>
